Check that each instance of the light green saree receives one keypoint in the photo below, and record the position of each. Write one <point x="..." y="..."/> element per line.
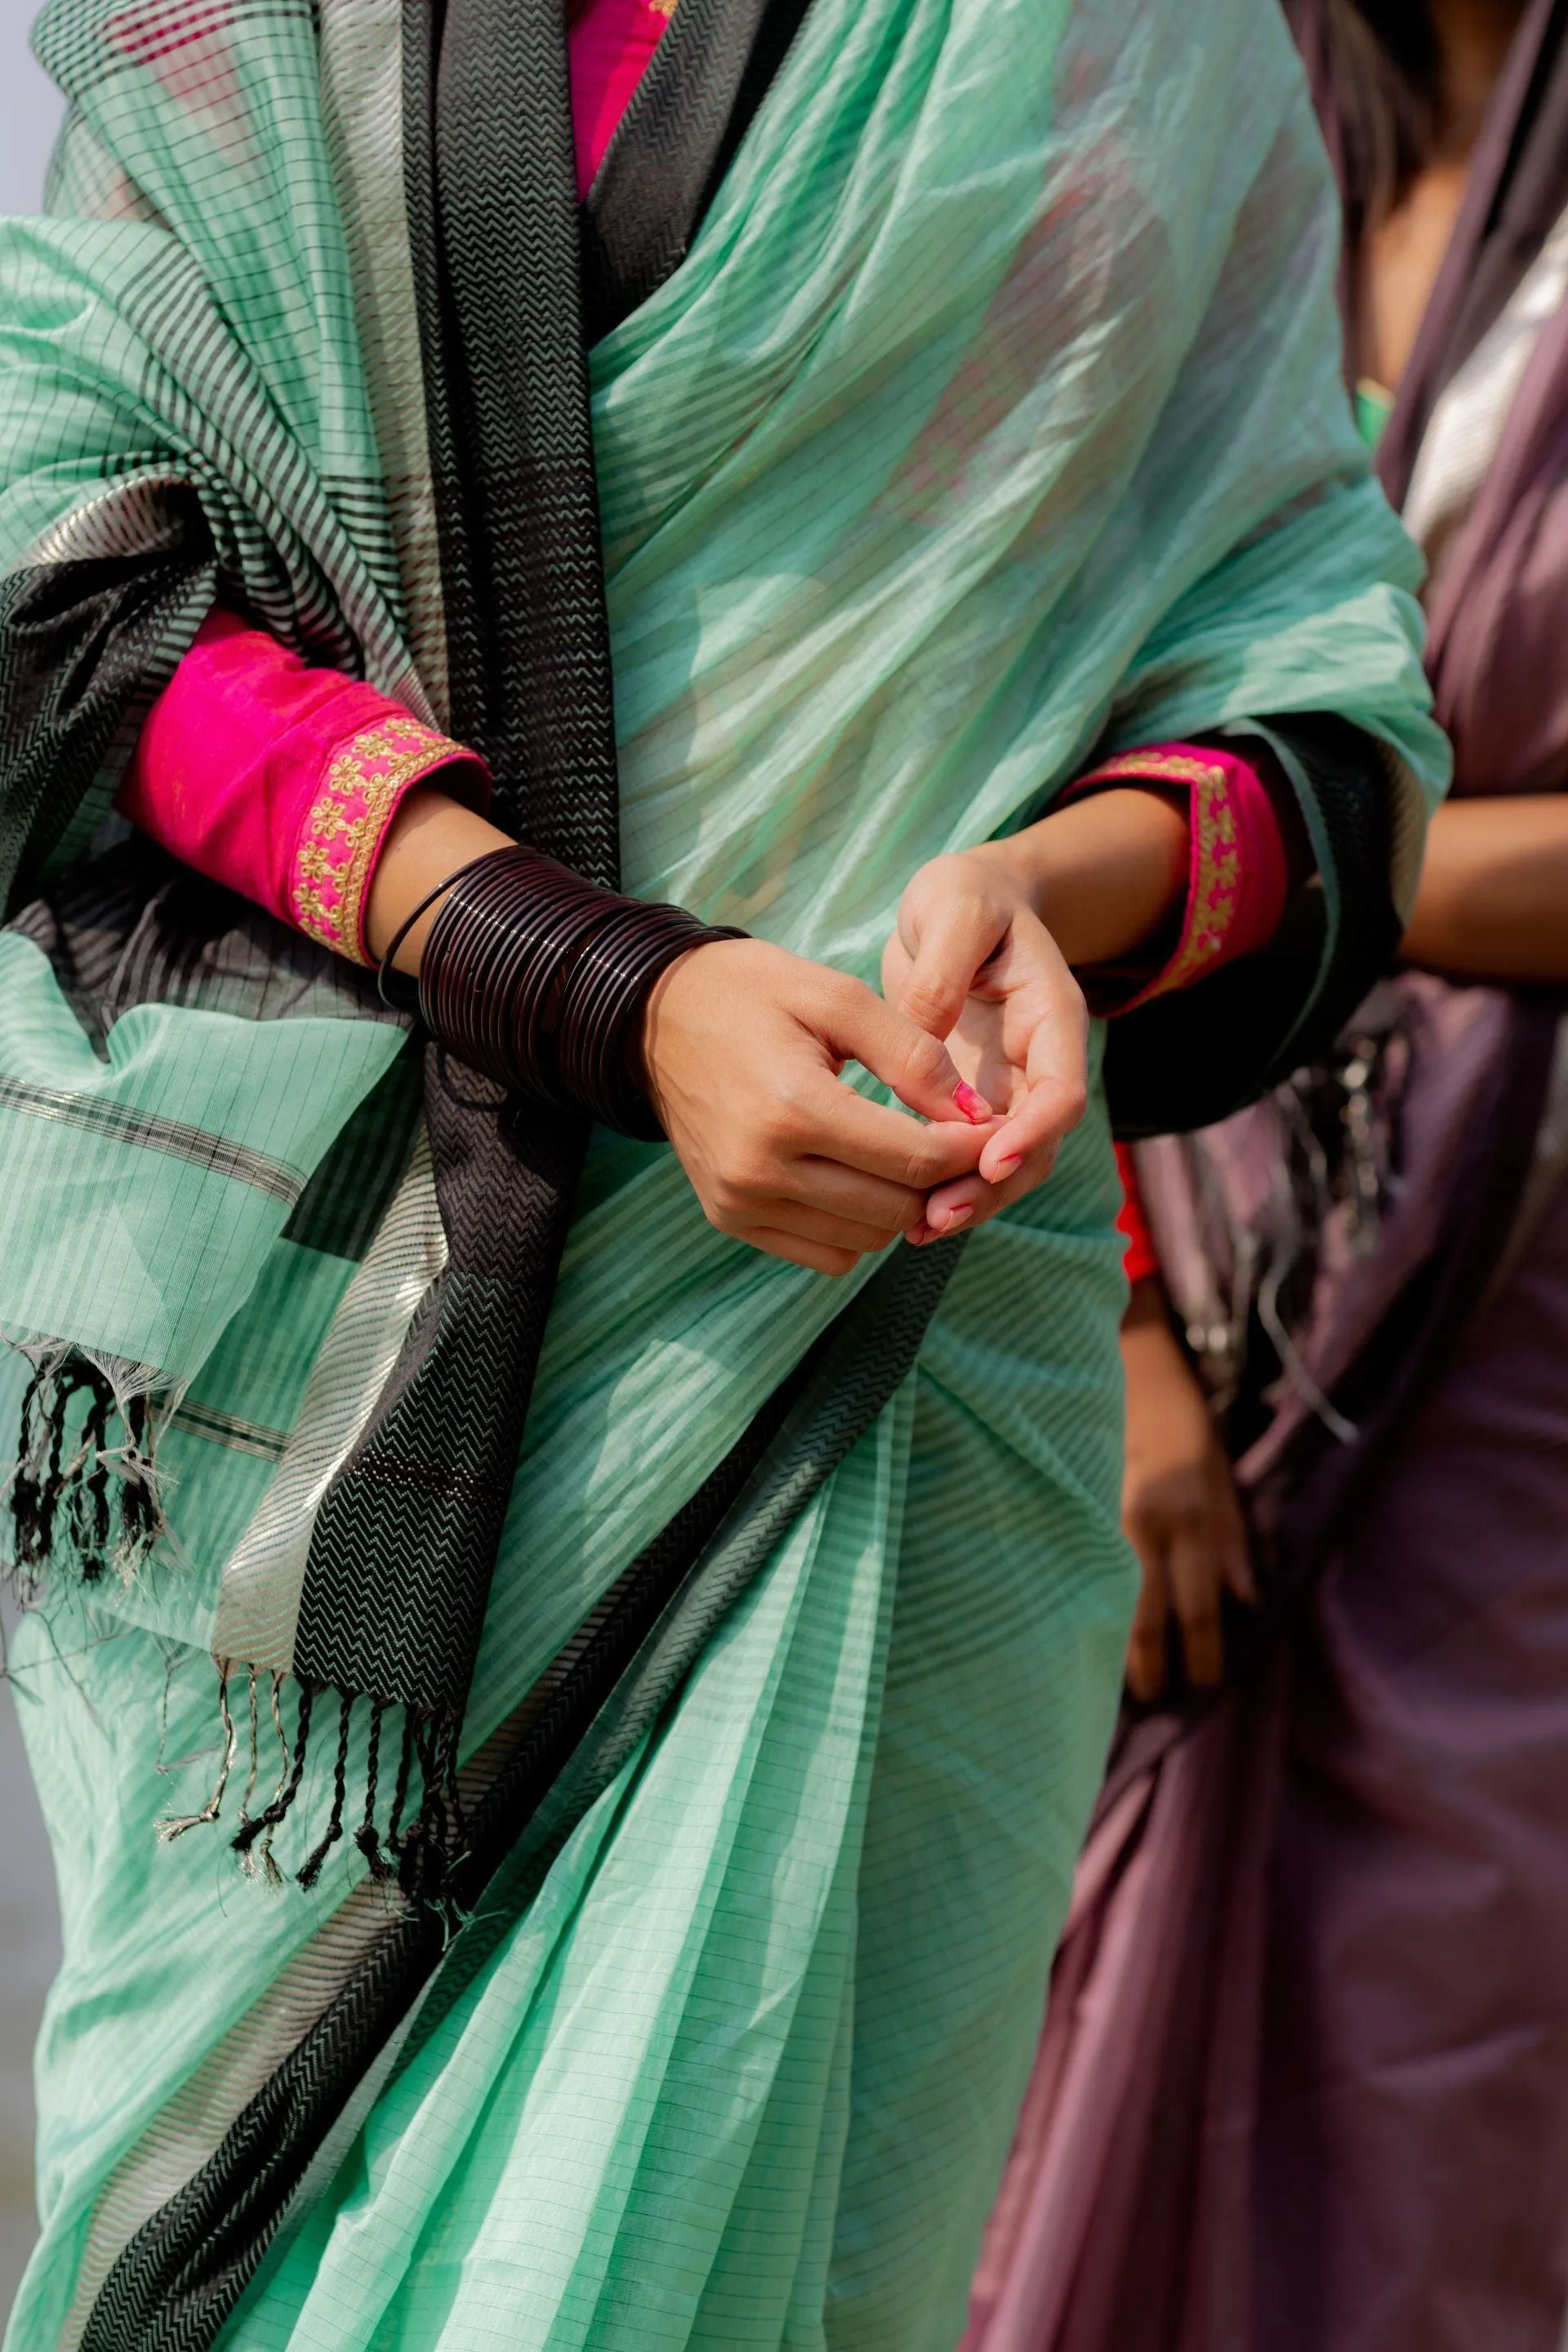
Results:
<point x="993" y="417"/>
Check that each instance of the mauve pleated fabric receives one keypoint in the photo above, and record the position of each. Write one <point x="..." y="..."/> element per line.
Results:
<point x="1304" y="2086"/>
<point x="1304" y="2083"/>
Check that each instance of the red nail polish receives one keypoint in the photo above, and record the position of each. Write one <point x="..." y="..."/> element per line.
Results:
<point x="974" y="1107"/>
<point x="958" y="1217"/>
<point x="1005" y="1167"/>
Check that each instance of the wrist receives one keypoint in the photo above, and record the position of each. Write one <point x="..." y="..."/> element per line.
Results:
<point x="1147" y="1309"/>
<point x="1105" y="873"/>
<point x="658" y="1019"/>
<point x="542" y="979"/>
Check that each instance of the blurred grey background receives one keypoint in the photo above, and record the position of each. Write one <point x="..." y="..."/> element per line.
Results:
<point x="29" y="1939"/>
<point x="29" y="112"/>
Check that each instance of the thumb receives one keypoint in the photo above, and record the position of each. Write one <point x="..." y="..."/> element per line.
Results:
<point x="860" y="1027"/>
<point x="955" y="938"/>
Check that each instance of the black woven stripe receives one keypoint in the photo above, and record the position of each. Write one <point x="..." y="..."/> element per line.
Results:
<point x="404" y="1547"/>
<point x="175" y="2283"/>
<point x="709" y="75"/>
<point x="344" y="1202"/>
<point x="507" y="229"/>
<point x="405" y="1543"/>
<point x="183" y="2272"/>
<point x="85" y="649"/>
<point x="422" y="21"/>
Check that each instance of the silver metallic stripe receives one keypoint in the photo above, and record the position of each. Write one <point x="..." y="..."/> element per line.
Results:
<point x="259" y="1599"/>
<point x="227" y="1429"/>
<point x="147" y="1130"/>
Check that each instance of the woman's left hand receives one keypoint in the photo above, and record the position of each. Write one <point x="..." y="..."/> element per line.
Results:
<point x="971" y="962"/>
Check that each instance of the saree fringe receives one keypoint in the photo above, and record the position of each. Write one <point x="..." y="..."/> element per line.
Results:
<point x="70" y="1486"/>
<point x="418" y="1858"/>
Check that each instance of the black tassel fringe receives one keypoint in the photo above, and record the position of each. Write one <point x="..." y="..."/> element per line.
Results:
<point x="418" y="1858"/>
<point x="63" y="1483"/>
<point x="64" y="1486"/>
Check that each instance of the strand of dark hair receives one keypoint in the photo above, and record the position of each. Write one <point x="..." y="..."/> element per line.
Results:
<point x="1381" y="67"/>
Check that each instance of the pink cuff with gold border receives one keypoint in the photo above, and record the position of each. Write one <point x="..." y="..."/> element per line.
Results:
<point x="1238" y="878"/>
<point x="280" y="781"/>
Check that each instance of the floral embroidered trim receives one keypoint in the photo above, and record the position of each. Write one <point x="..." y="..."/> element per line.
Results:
<point x="1214" y="889"/>
<point x="342" y="832"/>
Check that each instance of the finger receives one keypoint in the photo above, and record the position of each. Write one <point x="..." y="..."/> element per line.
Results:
<point x="1194" y="1594"/>
<point x="812" y="1225"/>
<point x="1230" y="1533"/>
<point x="827" y="1184"/>
<point x="818" y="1255"/>
<point x="858" y="1026"/>
<point x="1146" y="1643"/>
<point x="838" y="1125"/>
<point x="1055" y="1070"/>
<point x="955" y="938"/>
<point x="954" y="1208"/>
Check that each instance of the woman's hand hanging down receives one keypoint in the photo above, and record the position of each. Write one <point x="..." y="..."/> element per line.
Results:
<point x="1179" y="1506"/>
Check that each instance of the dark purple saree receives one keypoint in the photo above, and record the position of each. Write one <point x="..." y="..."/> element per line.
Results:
<point x="1303" y="2086"/>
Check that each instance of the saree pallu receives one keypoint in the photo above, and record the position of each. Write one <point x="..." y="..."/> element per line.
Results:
<point x="992" y="418"/>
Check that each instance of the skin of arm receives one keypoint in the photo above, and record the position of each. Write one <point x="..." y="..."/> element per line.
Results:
<point x="1179" y="1506"/>
<point x="983" y="1029"/>
<point x="1493" y="898"/>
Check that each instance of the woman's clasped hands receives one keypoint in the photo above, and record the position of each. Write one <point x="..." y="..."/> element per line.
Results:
<point x="982" y="1031"/>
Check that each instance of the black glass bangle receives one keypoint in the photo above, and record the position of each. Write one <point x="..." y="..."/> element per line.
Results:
<point x="540" y="979"/>
<point x="387" y="976"/>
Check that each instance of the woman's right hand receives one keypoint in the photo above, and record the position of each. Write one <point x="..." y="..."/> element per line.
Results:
<point x="744" y="1044"/>
<point x="1179" y="1506"/>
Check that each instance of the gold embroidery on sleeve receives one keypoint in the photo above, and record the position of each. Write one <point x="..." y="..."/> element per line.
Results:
<point x="336" y="854"/>
<point x="1213" y="893"/>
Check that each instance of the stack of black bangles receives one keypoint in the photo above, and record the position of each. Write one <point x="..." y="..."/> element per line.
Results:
<point x="540" y="980"/>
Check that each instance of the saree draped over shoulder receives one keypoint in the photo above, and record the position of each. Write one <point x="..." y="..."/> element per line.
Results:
<point x="726" y="1661"/>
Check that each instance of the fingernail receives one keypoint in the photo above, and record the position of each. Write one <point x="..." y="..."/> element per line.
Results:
<point x="955" y="1217"/>
<point x="917" y="1234"/>
<point x="973" y="1107"/>
<point x="1006" y="1167"/>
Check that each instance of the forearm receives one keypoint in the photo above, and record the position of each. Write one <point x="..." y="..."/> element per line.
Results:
<point x="1493" y="898"/>
<point x="1104" y="873"/>
<point x="431" y="836"/>
<point x="1174" y="858"/>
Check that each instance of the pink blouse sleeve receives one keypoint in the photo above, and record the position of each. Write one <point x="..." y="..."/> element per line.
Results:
<point x="609" y="44"/>
<point x="280" y="781"/>
<point x="1239" y="876"/>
